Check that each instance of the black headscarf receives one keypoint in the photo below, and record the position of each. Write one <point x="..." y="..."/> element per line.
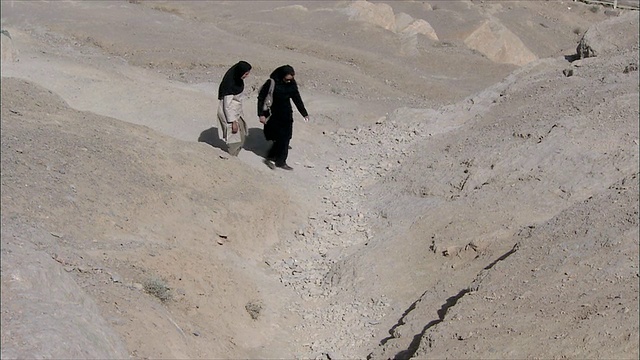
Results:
<point x="232" y="83"/>
<point x="284" y="70"/>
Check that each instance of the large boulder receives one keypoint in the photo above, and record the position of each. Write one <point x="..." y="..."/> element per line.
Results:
<point x="381" y="14"/>
<point x="378" y="14"/>
<point x="610" y="36"/>
<point x="407" y="25"/>
<point x="499" y="44"/>
<point x="422" y="27"/>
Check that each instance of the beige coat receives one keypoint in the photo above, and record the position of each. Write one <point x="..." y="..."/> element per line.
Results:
<point x="230" y="110"/>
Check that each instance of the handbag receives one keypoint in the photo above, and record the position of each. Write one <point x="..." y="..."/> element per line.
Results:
<point x="268" y="100"/>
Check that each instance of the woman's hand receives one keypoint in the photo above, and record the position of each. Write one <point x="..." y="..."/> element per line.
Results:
<point x="234" y="127"/>
<point x="263" y="119"/>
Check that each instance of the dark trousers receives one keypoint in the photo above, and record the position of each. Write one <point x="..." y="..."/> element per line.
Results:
<point x="279" y="151"/>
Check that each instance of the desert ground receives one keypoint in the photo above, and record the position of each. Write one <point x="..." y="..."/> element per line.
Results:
<point x="467" y="186"/>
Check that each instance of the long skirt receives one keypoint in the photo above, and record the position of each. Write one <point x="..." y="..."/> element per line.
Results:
<point x="235" y="142"/>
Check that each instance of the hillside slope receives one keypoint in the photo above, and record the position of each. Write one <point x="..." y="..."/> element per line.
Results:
<point x="544" y="143"/>
<point x="434" y="166"/>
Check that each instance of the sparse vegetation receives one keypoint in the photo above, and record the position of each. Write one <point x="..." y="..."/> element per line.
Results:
<point x="443" y="44"/>
<point x="577" y="31"/>
<point x="167" y="9"/>
<point x="158" y="288"/>
<point x="594" y="9"/>
<point x="254" y="308"/>
<point x="630" y="68"/>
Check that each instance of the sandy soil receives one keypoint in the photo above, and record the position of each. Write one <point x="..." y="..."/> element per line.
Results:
<point x="467" y="186"/>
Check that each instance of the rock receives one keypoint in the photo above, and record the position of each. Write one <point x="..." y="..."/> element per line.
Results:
<point x="379" y="14"/>
<point x="137" y="286"/>
<point x="421" y="27"/>
<point x="609" y="36"/>
<point x="403" y="20"/>
<point x="116" y="278"/>
<point x="499" y="44"/>
<point x="9" y="54"/>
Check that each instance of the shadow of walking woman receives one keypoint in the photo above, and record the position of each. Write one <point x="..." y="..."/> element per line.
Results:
<point x="256" y="142"/>
<point x="211" y="137"/>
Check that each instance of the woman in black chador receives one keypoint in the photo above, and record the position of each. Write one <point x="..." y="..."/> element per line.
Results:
<point x="278" y="120"/>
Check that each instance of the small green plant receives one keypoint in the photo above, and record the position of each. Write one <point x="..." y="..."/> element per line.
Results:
<point x="158" y="288"/>
<point x="594" y="9"/>
<point x="577" y="31"/>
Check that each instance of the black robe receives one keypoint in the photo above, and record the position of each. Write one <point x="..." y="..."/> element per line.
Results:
<point x="280" y="124"/>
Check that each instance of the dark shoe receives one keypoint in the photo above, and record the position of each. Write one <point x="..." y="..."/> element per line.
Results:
<point x="270" y="164"/>
<point x="285" y="167"/>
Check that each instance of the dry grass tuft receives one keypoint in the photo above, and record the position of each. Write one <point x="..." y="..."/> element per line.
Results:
<point x="167" y="9"/>
<point x="254" y="308"/>
<point x="158" y="288"/>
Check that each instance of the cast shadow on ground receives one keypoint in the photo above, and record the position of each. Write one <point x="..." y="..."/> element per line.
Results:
<point x="210" y="136"/>
<point x="571" y="58"/>
<point x="254" y="142"/>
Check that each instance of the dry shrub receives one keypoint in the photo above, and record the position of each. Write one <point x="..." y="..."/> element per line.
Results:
<point x="167" y="9"/>
<point x="254" y="308"/>
<point x="158" y="288"/>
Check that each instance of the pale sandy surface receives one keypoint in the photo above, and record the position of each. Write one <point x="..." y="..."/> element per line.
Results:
<point x="455" y="195"/>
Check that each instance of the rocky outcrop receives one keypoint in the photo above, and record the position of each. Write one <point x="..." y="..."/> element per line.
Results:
<point x="8" y="51"/>
<point x="610" y="36"/>
<point x="418" y="26"/>
<point x="499" y="44"/>
<point x="378" y="14"/>
<point x="382" y="15"/>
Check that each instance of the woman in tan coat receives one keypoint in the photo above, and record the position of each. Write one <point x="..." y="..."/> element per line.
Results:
<point x="230" y="113"/>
